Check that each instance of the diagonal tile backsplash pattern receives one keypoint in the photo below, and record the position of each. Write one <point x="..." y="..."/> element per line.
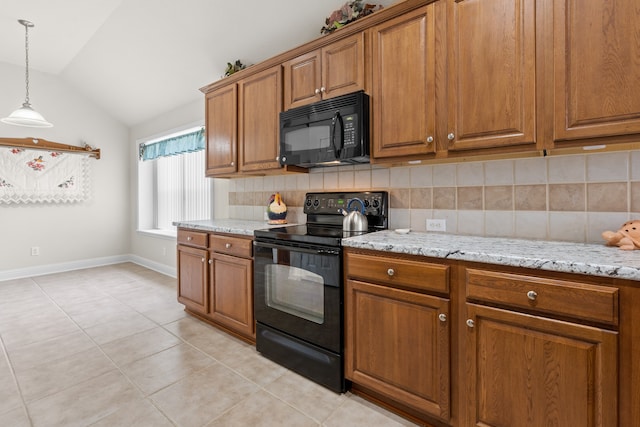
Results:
<point x="569" y="197"/>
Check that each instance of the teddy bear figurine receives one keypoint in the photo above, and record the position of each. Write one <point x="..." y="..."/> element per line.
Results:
<point x="627" y="238"/>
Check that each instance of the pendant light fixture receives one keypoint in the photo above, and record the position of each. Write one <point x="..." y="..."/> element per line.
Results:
<point x="25" y="115"/>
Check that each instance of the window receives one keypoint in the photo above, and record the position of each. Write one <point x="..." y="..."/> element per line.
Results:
<point x="172" y="182"/>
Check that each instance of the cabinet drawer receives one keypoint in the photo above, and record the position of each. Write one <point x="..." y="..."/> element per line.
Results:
<point x="560" y="297"/>
<point x="193" y="238"/>
<point x="231" y="245"/>
<point x="401" y="272"/>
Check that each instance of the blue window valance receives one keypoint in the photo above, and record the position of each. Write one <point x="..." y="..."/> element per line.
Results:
<point x="187" y="143"/>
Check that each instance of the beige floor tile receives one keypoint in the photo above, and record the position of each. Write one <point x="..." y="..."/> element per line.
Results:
<point x="15" y="418"/>
<point x="139" y="412"/>
<point x="166" y="367"/>
<point x="203" y="396"/>
<point x="135" y="347"/>
<point x="9" y="395"/>
<point x="221" y="346"/>
<point x="84" y="403"/>
<point x="262" y="409"/>
<point x="356" y="412"/>
<point x="250" y="364"/>
<point x="189" y="327"/>
<point x="105" y="309"/>
<point x="308" y="397"/>
<point x="124" y="326"/>
<point x="46" y="329"/>
<point x="50" y="350"/>
<point x="49" y="378"/>
<point x="166" y="313"/>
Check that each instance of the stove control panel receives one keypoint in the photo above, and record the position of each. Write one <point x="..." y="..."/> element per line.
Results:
<point x="375" y="203"/>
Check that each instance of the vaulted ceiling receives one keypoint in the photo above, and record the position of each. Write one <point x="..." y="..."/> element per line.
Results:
<point x="141" y="58"/>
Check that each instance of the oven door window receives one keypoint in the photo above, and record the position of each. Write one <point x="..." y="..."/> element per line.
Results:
<point x="295" y="291"/>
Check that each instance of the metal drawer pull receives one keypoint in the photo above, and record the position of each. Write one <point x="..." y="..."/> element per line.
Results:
<point x="442" y="317"/>
<point x="228" y="245"/>
<point x="210" y="261"/>
<point x="532" y="295"/>
<point x="202" y="259"/>
<point x="430" y="139"/>
<point x="189" y="238"/>
<point x="451" y="136"/>
<point x="317" y="91"/>
<point x="391" y="272"/>
<point x="470" y="323"/>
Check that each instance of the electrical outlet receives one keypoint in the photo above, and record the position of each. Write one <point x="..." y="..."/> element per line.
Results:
<point x="35" y="250"/>
<point x="437" y="225"/>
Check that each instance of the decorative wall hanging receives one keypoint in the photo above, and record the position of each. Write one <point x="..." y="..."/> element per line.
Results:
<point x="40" y="176"/>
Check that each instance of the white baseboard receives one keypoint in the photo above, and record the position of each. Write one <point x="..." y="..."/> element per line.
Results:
<point x="41" y="270"/>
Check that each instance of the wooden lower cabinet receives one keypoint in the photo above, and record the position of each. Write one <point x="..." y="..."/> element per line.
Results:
<point x="397" y="344"/>
<point x="193" y="278"/>
<point x="231" y="302"/>
<point x="215" y="279"/>
<point x="524" y="370"/>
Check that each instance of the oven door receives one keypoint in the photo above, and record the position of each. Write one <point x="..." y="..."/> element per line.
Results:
<point x="297" y="290"/>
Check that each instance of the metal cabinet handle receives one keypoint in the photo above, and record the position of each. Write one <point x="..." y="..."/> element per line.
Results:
<point x="470" y="323"/>
<point x="451" y="136"/>
<point x="442" y="317"/>
<point x="532" y="295"/>
<point x="430" y="139"/>
<point x="323" y="89"/>
<point x="227" y="245"/>
<point x="391" y="272"/>
<point x="317" y="91"/>
<point x="233" y="164"/>
<point x="202" y="259"/>
<point x="189" y="238"/>
<point x="210" y="261"/>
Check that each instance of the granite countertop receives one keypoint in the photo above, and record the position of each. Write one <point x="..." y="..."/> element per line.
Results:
<point x="233" y="226"/>
<point x="591" y="259"/>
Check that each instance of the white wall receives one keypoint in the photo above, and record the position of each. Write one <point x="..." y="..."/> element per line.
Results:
<point x="67" y="234"/>
<point x="159" y="251"/>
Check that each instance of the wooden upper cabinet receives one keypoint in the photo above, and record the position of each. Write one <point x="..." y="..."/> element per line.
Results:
<point x="596" y="69"/>
<point x="334" y="70"/>
<point x="221" y="130"/>
<point x="492" y="73"/>
<point x="260" y="102"/>
<point x="343" y="65"/>
<point x="403" y="85"/>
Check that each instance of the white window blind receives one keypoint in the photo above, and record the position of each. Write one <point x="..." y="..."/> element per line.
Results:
<point x="173" y="187"/>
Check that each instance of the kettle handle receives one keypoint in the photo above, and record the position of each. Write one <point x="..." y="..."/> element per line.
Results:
<point x="356" y="199"/>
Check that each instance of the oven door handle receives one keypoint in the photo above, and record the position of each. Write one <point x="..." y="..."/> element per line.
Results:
<point x="297" y="248"/>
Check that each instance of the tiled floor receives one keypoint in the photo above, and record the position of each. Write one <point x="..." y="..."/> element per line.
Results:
<point x="110" y="346"/>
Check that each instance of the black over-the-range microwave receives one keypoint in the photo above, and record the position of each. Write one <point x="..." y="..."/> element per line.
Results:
<point x="330" y="132"/>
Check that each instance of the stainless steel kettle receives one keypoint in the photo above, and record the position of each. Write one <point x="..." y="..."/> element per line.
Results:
<point x="354" y="220"/>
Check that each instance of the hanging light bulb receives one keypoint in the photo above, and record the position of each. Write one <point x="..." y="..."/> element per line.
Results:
<point x="25" y="115"/>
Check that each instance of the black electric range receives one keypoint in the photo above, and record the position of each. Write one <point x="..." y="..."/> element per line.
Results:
<point x="298" y="286"/>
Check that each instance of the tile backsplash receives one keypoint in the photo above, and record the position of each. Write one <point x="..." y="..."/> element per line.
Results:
<point x="570" y="197"/>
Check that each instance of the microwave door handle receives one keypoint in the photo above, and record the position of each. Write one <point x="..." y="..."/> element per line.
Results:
<point x="337" y="149"/>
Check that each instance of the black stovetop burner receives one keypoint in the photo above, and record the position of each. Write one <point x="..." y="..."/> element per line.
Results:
<point x="324" y="218"/>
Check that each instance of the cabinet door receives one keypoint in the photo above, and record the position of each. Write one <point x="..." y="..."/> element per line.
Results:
<point x="397" y="345"/>
<point x="260" y="102"/>
<point x="596" y="66"/>
<point x="302" y="80"/>
<point x="343" y="66"/>
<point x="529" y="371"/>
<point x="221" y="129"/>
<point x="491" y="88"/>
<point x="232" y="293"/>
<point x="193" y="278"/>
<point x="403" y="85"/>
